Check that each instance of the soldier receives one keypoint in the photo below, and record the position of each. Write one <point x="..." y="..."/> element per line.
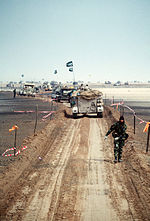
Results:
<point x="81" y="87"/>
<point x="14" y="91"/>
<point x="118" y="130"/>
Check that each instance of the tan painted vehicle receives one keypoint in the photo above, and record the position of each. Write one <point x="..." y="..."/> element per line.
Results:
<point x="28" y="90"/>
<point x="87" y="102"/>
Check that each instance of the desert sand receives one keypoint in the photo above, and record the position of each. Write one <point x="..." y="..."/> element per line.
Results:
<point x="67" y="173"/>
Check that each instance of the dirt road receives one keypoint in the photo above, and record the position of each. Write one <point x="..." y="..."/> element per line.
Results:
<point x="67" y="173"/>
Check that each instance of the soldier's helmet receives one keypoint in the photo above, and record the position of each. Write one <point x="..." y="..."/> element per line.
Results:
<point x="121" y="119"/>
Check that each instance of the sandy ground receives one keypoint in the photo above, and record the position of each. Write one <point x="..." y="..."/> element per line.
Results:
<point x="96" y="203"/>
<point x="25" y="121"/>
<point x="126" y="94"/>
<point x="67" y="173"/>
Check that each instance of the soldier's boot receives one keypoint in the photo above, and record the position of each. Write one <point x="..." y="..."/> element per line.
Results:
<point x="119" y="158"/>
<point x="120" y="155"/>
<point x="115" y="160"/>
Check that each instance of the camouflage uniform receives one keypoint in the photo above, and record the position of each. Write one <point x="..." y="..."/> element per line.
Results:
<point x="118" y="130"/>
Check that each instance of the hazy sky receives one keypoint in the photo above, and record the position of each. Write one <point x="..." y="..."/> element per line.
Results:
<point x="105" y="39"/>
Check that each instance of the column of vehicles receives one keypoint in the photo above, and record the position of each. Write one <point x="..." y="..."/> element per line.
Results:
<point x="28" y="89"/>
<point x="62" y="93"/>
<point x="83" y="100"/>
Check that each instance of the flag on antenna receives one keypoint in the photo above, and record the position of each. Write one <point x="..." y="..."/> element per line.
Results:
<point x="71" y="69"/>
<point x="69" y="64"/>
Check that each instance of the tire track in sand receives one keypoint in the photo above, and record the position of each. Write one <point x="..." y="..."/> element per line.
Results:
<point x="41" y="203"/>
<point x="50" y="183"/>
<point x="96" y="201"/>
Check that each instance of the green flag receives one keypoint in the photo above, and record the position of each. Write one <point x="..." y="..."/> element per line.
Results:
<point x="69" y="64"/>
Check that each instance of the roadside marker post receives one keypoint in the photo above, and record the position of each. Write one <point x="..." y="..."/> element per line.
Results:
<point x="15" y="128"/>
<point x="36" y="117"/>
<point x="148" y="138"/>
<point x="51" y="107"/>
<point x="15" y="141"/>
<point x="134" y="122"/>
